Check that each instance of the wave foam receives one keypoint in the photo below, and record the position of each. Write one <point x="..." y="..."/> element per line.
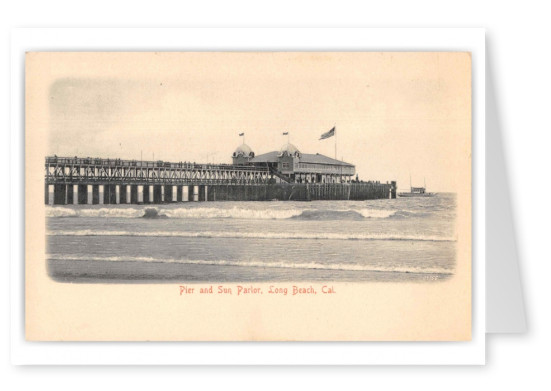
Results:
<point x="377" y="213"/>
<point x="231" y="213"/>
<point x="101" y="212"/>
<point x="224" y="213"/>
<point x="276" y="264"/>
<point x="256" y="235"/>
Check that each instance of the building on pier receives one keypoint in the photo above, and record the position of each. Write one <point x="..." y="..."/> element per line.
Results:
<point x="290" y="165"/>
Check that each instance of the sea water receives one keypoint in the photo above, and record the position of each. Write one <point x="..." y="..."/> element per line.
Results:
<point x="403" y="239"/>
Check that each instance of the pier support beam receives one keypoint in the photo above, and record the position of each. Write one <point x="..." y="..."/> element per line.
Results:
<point x="168" y="193"/>
<point x="76" y="200"/>
<point x="206" y="193"/>
<point x="69" y="194"/>
<point x="200" y="193"/>
<point x="113" y="190"/>
<point x="101" y="192"/>
<point x="82" y="194"/>
<point x="106" y="194"/>
<point x="157" y="194"/>
<point x="95" y="194"/>
<point x="146" y="194"/>
<point x="195" y="193"/>
<point x="60" y="194"/>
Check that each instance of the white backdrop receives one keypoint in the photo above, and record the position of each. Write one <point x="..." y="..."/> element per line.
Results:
<point x="517" y="49"/>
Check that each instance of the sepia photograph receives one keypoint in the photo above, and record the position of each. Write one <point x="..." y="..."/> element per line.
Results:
<point x="254" y="173"/>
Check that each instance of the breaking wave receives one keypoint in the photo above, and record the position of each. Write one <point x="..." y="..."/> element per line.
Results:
<point x="231" y="213"/>
<point x="102" y="212"/>
<point x="346" y="214"/>
<point x="225" y="213"/>
<point x="272" y="264"/>
<point x="257" y="235"/>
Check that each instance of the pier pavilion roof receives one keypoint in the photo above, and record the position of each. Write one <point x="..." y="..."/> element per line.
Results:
<point x="243" y="150"/>
<point x="322" y="159"/>
<point x="273" y="157"/>
<point x="289" y="149"/>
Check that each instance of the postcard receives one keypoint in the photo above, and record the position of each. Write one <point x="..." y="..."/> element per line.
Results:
<point x="248" y="196"/>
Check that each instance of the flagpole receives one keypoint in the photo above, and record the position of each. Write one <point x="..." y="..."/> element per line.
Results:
<point x="288" y="136"/>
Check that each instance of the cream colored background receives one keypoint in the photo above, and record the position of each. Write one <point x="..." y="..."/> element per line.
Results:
<point x="369" y="311"/>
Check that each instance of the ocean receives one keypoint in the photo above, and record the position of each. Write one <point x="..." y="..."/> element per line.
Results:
<point x="403" y="239"/>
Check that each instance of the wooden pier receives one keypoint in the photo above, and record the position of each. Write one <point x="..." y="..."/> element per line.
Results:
<point x="76" y="181"/>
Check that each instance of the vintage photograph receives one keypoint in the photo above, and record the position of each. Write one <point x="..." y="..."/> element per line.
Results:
<point x="308" y="168"/>
<point x="207" y="180"/>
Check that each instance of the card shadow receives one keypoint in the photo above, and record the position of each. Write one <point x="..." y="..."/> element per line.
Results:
<point x="505" y="312"/>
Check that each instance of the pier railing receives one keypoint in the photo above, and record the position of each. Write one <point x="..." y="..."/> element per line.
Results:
<point x="67" y="170"/>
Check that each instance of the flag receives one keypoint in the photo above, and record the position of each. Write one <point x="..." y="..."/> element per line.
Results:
<point x="328" y="134"/>
<point x="285" y="133"/>
<point x="241" y="134"/>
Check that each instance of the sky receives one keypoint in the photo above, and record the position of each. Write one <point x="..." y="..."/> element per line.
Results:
<point x="396" y="114"/>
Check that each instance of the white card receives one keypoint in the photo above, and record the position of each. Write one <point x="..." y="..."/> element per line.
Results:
<point x="460" y="40"/>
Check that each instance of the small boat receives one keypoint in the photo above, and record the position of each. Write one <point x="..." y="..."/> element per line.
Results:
<point x="416" y="191"/>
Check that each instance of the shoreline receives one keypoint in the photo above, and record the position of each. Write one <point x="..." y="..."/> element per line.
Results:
<point x="132" y="272"/>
